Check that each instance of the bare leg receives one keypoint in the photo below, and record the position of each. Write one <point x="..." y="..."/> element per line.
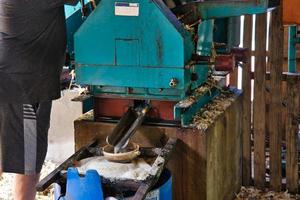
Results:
<point x="24" y="186"/>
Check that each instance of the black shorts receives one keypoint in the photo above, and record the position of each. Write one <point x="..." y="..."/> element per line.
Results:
<point x="24" y="137"/>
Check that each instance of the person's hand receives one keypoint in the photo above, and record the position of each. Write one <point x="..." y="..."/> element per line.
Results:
<point x="71" y="2"/>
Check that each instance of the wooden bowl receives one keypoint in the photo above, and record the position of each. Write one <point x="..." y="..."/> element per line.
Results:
<point x="127" y="155"/>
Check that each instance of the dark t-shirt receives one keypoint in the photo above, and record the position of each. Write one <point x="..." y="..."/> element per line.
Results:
<point x="32" y="50"/>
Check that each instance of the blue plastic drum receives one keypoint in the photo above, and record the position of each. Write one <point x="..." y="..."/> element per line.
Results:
<point x="77" y="185"/>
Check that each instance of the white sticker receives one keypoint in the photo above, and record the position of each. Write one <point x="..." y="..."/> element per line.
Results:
<point x="127" y="9"/>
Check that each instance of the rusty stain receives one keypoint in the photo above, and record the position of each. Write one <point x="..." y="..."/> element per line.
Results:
<point x="291" y="14"/>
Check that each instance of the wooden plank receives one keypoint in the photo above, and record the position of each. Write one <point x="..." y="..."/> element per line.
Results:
<point x="292" y="130"/>
<point x="189" y="165"/>
<point x="234" y="77"/>
<point x="276" y="63"/>
<point x="246" y="128"/>
<point x="254" y="53"/>
<point x="224" y="153"/>
<point x="259" y="119"/>
<point x="268" y="75"/>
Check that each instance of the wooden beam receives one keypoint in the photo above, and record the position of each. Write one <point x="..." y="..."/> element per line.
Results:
<point x="259" y="106"/>
<point x="247" y="104"/>
<point x="284" y="75"/>
<point x="254" y="53"/>
<point x="292" y="129"/>
<point x="275" y="112"/>
<point x="234" y="77"/>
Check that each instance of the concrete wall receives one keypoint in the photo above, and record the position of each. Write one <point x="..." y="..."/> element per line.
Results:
<point x="61" y="133"/>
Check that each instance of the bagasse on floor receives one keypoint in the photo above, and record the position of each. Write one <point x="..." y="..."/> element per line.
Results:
<point x="6" y="183"/>
<point x="251" y="193"/>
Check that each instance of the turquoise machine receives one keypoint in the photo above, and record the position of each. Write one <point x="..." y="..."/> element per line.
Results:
<point x="142" y="50"/>
<point x="74" y="18"/>
<point x="141" y="57"/>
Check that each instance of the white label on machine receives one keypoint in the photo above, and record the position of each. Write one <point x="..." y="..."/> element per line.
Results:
<point x="127" y="9"/>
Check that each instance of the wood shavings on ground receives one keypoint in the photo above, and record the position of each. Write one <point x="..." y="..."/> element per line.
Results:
<point x="6" y="184"/>
<point x="251" y="193"/>
<point x="210" y="112"/>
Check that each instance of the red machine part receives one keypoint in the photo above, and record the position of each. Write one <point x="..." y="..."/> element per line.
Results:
<point x="163" y="110"/>
<point x="291" y="14"/>
<point x="115" y="108"/>
<point x="225" y="62"/>
<point x="240" y="54"/>
<point x="109" y="107"/>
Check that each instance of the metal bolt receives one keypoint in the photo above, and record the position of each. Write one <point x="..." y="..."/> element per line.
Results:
<point x="173" y="83"/>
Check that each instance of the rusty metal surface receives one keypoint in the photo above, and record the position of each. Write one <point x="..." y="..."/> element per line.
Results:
<point x="240" y="54"/>
<point x="115" y="108"/>
<point x="109" y="107"/>
<point x="225" y="62"/>
<point x="291" y="12"/>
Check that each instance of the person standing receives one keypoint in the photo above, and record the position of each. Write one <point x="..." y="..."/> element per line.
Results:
<point x="32" y="53"/>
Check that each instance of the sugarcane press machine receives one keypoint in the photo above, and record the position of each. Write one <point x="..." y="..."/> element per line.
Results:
<point x="133" y="51"/>
<point x="144" y="61"/>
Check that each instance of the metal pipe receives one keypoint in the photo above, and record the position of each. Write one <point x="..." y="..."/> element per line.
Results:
<point x="122" y="127"/>
<point x="133" y="128"/>
<point x="127" y="126"/>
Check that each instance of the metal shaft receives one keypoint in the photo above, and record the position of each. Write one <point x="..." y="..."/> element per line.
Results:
<point x="127" y="126"/>
<point x="122" y="127"/>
